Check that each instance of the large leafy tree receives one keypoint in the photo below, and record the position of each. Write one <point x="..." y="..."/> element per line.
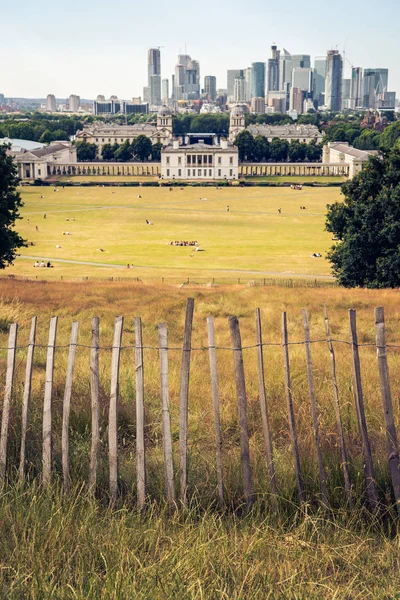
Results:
<point x="10" y="203"/>
<point x="245" y="145"/>
<point x="86" y="151"/>
<point x="367" y="226"/>
<point x="142" y="147"/>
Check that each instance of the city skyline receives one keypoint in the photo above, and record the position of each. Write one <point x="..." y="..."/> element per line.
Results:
<point x="93" y="52"/>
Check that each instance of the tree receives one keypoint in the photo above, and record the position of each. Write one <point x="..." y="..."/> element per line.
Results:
<point x="10" y="202"/>
<point x="108" y="152"/>
<point x="156" y="152"/>
<point x="367" y="226"/>
<point x="279" y="150"/>
<point x="124" y="152"/>
<point x="314" y="151"/>
<point x="85" y="151"/>
<point x="297" y="151"/>
<point x="245" y="144"/>
<point x="142" y="147"/>
<point x="261" y="148"/>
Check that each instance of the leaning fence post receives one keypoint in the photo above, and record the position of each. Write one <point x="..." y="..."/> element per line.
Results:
<point x="166" y="419"/>
<point x="314" y="408"/>
<point x="95" y="405"/>
<point x="113" y="411"/>
<point x="26" y="399"/>
<point x="242" y="409"/>
<point x="289" y="398"/>
<point x="343" y="449"/>
<point x="47" y="404"/>
<point x="67" y="406"/>
<point x="12" y="349"/>
<point x="215" y="397"/>
<point x="391" y="435"/>
<point x="184" y="398"/>
<point x="264" y="408"/>
<point x="362" y="423"/>
<point x="140" y="446"/>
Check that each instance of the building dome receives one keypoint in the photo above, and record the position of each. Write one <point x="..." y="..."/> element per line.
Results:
<point x="164" y="111"/>
<point x="237" y="110"/>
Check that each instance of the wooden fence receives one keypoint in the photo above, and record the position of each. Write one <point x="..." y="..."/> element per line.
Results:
<point x="171" y="486"/>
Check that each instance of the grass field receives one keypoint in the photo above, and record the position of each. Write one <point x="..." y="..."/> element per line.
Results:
<point x="77" y="547"/>
<point x="252" y="240"/>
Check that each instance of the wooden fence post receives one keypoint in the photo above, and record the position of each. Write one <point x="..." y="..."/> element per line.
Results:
<point x="362" y="423"/>
<point x="314" y="408"/>
<point x="184" y="399"/>
<point x="113" y="411"/>
<point x="215" y="398"/>
<point x="67" y="407"/>
<point x="11" y="352"/>
<point x="339" y="424"/>
<point x="242" y="409"/>
<point x="26" y="399"/>
<point x="289" y="398"/>
<point x="95" y="405"/>
<point x="391" y="435"/>
<point x="264" y="409"/>
<point x="140" y="445"/>
<point x="166" y="418"/>
<point x="47" y="404"/>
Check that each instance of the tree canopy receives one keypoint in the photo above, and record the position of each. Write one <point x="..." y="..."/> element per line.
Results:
<point x="367" y="226"/>
<point x="10" y="203"/>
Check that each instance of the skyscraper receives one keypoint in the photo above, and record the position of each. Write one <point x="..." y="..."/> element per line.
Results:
<point x="210" y="87"/>
<point x="232" y="74"/>
<point x="346" y="93"/>
<point x="165" y="91"/>
<point x="375" y="82"/>
<point x="273" y="70"/>
<point x="356" y="89"/>
<point x="258" y="80"/>
<point x="74" y="103"/>
<point x="239" y="89"/>
<point x="303" y="78"/>
<point x="319" y="79"/>
<point x="187" y="78"/>
<point x="333" y="82"/>
<point x="248" y="76"/>
<point x="285" y="70"/>
<point x="154" y="76"/>
<point x="302" y="61"/>
<point x="51" y="103"/>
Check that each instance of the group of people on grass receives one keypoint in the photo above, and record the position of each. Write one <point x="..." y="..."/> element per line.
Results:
<point x="296" y="186"/>
<point x="43" y="264"/>
<point x="184" y="243"/>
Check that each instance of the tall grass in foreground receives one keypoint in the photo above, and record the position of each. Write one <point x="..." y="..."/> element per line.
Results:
<point x="66" y="548"/>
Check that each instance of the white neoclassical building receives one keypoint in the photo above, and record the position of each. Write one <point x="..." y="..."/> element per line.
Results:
<point x="342" y="153"/>
<point x="110" y="133"/>
<point x="200" y="156"/>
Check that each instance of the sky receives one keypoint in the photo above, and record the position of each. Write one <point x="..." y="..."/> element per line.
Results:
<point x="96" y="47"/>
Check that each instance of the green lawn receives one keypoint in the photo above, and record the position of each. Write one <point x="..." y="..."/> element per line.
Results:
<point x="296" y="179"/>
<point x="252" y="240"/>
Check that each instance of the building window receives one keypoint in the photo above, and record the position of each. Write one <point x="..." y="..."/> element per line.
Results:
<point x="219" y="172"/>
<point x="102" y="140"/>
<point x="199" y="161"/>
<point x="210" y="159"/>
<point x="167" y="159"/>
<point x="122" y="141"/>
<point x="179" y="172"/>
<point x="179" y="160"/>
<point x="167" y="172"/>
<point x="39" y="172"/>
<point x="97" y="139"/>
<point x="231" y="160"/>
<point x="188" y="172"/>
<point x="205" y="159"/>
<point x="109" y="139"/>
<point x="210" y="172"/>
<point x="199" y="172"/>
<point x="219" y="160"/>
<point x="189" y="160"/>
<point x="205" y="172"/>
<point x="230" y="172"/>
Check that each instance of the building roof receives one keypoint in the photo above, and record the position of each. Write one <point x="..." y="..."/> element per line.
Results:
<point x="19" y="145"/>
<point x="355" y="153"/>
<point x="283" y="131"/>
<point x="117" y="130"/>
<point x="199" y="147"/>
<point x="50" y="149"/>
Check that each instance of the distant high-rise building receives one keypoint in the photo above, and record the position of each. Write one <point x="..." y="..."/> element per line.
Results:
<point x="285" y="70"/>
<point x="50" y="103"/>
<point x="302" y="61"/>
<point x="303" y="78"/>
<point x="187" y="78"/>
<point x="232" y="74"/>
<point x="258" y="106"/>
<point x="100" y="98"/>
<point x="2" y="98"/>
<point x="346" y="92"/>
<point x="74" y="103"/>
<point x="248" y="76"/>
<point x="319" y="79"/>
<point x="239" y="89"/>
<point x="296" y="100"/>
<point x="210" y="87"/>
<point x="165" y="91"/>
<point x="356" y="89"/>
<point x="273" y="70"/>
<point x="375" y="82"/>
<point x="258" y="80"/>
<point x="154" y="76"/>
<point x="333" y="82"/>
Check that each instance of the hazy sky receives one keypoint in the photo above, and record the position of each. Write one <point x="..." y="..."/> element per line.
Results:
<point x="100" y="47"/>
